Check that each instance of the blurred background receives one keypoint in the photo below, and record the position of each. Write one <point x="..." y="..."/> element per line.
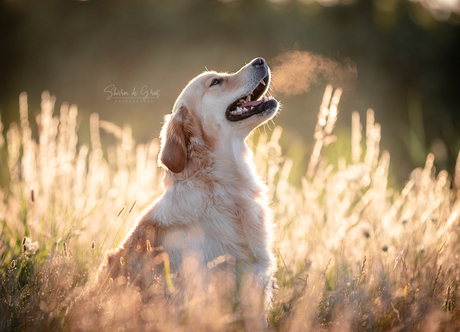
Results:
<point x="406" y="54"/>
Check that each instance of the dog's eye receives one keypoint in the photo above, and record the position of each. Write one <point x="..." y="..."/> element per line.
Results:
<point x="215" y="82"/>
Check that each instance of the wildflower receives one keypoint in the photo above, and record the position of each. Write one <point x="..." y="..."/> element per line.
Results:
<point x="28" y="246"/>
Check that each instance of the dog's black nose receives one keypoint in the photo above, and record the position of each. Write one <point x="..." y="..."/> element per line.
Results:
<point x="259" y="62"/>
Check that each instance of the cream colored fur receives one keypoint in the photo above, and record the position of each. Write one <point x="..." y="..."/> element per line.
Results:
<point x="214" y="203"/>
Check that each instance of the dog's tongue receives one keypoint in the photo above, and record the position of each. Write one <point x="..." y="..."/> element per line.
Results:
<point x="252" y="103"/>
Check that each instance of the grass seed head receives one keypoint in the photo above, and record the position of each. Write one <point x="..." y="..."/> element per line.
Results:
<point x="149" y="247"/>
<point x="132" y="206"/>
<point x="121" y="212"/>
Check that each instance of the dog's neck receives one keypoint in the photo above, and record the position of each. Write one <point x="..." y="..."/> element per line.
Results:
<point x="230" y="174"/>
<point x="234" y="161"/>
<point x="230" y="163"/>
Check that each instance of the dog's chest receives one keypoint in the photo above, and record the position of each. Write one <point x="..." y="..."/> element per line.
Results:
<point x="216" y="226"/>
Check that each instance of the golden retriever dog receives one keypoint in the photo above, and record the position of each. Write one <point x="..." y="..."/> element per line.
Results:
<point x="214" y="204"/>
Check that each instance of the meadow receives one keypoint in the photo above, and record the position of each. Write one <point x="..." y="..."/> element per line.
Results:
<point x="353" y="254"/>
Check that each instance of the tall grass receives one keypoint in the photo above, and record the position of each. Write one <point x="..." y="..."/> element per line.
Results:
<point x="353" y="254"/>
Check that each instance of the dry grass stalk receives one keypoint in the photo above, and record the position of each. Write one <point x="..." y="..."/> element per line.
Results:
<point x="332" y="221"/>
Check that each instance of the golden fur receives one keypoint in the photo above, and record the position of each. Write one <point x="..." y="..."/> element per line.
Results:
<point x="214" y="203"/>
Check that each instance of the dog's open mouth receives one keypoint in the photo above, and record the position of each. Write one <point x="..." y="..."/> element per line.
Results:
<point x="254" y="103"/>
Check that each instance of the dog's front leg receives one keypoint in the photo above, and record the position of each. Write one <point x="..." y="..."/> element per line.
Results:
<point x="134" y="254"/>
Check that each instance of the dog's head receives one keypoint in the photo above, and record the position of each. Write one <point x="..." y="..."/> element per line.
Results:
<point x="215" y="109"/>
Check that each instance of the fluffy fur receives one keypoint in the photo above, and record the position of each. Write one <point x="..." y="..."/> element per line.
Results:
<point x="214" y="203"/>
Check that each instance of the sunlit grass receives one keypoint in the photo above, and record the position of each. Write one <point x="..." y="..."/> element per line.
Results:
<point x="353" y="254"/>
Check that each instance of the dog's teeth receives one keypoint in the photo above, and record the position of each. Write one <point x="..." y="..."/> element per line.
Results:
<point x="248" y="98"/>
<point x="265" y="99"/>
<point x="262" y="81"/>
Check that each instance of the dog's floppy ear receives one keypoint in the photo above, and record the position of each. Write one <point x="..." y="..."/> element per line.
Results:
<point x="173" y="153"/>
